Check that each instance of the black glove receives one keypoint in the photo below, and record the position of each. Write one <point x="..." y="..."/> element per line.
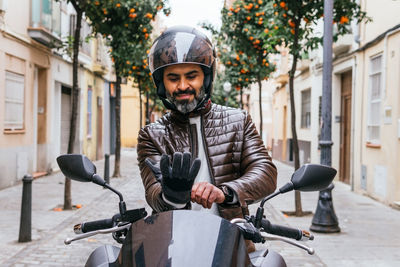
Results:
<point x="176" y="181"/>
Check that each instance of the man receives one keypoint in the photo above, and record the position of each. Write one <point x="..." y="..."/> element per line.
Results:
<point x="200" y="156"/>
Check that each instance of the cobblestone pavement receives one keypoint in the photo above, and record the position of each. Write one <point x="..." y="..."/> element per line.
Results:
<point x="364" y="240"/>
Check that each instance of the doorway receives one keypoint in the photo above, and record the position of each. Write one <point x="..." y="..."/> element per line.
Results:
<point x="345" y="127"/>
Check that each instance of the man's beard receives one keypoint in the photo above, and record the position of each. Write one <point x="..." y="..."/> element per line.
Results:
<point x="184" y="106"/>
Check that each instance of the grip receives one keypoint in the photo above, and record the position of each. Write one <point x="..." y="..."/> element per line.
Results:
<point x="93" y="226"/>
<point x="281" y="230"/>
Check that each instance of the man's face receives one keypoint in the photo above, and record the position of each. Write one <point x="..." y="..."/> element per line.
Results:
<point x="184" y="86"/>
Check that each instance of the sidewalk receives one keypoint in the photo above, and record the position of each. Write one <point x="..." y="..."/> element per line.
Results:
<point x="369" y="235"/>
<point x="50" y="228"/>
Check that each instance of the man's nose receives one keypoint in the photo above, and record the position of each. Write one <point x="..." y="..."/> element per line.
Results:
<point x="183" y="84"/>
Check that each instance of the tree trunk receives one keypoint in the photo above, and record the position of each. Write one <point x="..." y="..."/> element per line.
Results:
<point x="241" y="98"/>
<point x="117" y="162"/>
<point x="141" y="106"/>
<point x="260" y="103"/>
<point x="147" y="108"/>
<point x="75" y="102"/>
<point x="298" y="207"/>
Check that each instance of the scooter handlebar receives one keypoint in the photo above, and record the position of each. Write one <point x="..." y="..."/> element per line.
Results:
<point x="93" y="226"/>
<point x="281" y="230"/>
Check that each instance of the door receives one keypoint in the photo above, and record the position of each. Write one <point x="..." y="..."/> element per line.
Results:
<point x="65" y="118"/>
<point x="345" y="127"/>
<point x="99" y="130"/>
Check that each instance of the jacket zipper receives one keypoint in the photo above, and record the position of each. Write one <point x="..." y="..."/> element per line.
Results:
<point x="205" y="149"/>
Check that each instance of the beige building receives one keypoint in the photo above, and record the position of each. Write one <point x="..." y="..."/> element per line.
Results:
<point x="35" y="90"/>
<point x="29" y="85"/>
<point x="130" y="114"/>
<point x="365" y="105"/>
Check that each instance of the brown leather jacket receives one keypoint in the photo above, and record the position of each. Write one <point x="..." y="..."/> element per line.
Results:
<point x="236" y="155"/>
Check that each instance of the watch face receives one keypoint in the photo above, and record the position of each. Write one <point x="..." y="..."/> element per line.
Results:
<point x="228" y="194"/>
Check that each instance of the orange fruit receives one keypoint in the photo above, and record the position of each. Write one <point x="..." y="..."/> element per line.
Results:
<point x="266" y="30"/>
<point x="132" y="10"/>
<point x="344" y="19"/>
<point x="282" y="4"/>
<point x="118" y="5"/>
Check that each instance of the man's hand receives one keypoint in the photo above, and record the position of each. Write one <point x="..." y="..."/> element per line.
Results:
<point x="176" y="180"/>
<point x="206" y="194"/>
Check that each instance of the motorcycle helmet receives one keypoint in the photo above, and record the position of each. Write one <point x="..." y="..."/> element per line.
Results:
<point x="177" y="45"/>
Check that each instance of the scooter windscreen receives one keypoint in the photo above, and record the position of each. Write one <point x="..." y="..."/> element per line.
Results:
<point x="184" y="238"/>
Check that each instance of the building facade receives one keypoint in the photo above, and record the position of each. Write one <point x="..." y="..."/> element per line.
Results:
<point x="365" y="105"/>
<point x="35" y="90"/>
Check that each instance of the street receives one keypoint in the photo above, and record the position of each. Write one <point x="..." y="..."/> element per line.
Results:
<point x="369" y="235"/>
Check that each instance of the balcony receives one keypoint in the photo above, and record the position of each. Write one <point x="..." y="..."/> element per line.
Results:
<point x="44" y="37"/>
<point x="282" y="79"/>
<point x="343" y="44"/>
<point x="303" y="64"/>
<point x="99" y="68"/>
<point x="45" y="22"/>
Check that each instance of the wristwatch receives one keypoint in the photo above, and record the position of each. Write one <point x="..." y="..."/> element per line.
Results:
<point x="228" y="194"/>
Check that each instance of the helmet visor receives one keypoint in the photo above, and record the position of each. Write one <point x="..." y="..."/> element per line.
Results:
<point x="180" y="47"/>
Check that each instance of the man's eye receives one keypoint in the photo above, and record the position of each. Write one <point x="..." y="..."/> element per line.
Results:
<point x="191" y="77"/>
<point x="173" y="79"/>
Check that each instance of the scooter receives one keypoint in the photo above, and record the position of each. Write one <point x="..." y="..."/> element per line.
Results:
<point x="185" y="237"/>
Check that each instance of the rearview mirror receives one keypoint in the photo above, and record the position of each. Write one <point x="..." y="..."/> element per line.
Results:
<point x="77" y="167"/>
<point x="313" y="177"/>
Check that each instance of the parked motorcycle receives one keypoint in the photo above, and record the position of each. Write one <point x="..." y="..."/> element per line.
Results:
<point x="185" y="237"/>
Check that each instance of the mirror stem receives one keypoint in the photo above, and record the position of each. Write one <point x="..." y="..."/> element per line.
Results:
<point x="122" y="205"/>
<point x="268" y="198"/>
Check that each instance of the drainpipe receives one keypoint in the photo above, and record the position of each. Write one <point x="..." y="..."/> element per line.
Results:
<point x="353" y="110"/>
<point x="385" y="50"/>
<point x="356" y="30"/>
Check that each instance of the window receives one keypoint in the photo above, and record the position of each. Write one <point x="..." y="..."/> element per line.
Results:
<point x="85" y="34"/>
<point x="89" y="112"/>
<point x="306" y="108"/>
<point x="374" y="102"/>
<point x="47" y="14"/>
<point x="72" y="24"/>
<point x="14" y="101"/>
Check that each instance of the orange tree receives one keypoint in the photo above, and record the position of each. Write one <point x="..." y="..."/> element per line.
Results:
<point x="140" y="72"/>
<point x="124" y="25"/>
<point x="80" y="7"/>
<point x="295" y="22"/>
<point x="244" y="53"/>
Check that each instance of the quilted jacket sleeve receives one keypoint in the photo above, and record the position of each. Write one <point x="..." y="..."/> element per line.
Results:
<point x="258" y="176"/>
<point x="148" y="149"/>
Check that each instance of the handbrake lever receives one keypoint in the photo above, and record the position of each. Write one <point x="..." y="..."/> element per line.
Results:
<point x="266" y="236"/>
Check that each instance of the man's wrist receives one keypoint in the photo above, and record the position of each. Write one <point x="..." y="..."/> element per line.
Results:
<point x="228" y="193"/>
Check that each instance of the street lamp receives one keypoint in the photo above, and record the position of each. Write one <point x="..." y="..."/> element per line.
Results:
<point x="227" y="88"/>
<point x="325" y="220"/>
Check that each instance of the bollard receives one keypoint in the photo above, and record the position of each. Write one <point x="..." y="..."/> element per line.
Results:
<point x="107" y="168"/>
<point x="325" y="220"/>
<point x="25" y="227"/>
